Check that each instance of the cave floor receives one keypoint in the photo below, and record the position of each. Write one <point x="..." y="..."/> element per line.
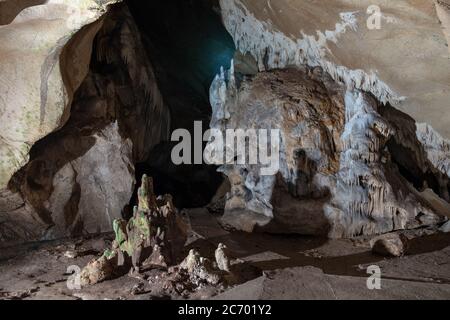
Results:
<point x="277" y="267"/>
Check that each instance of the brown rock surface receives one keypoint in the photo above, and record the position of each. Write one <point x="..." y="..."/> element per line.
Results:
<point x="348" y="164"/>
<point x="80" y="178"/>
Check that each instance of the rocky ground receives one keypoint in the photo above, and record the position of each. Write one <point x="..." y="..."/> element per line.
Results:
<point x="268" y="267"/>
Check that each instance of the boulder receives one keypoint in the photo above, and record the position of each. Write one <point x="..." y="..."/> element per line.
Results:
<point x="99" y="270"/>
<point x="390" y="245"/>
<point x="401" y="56"/>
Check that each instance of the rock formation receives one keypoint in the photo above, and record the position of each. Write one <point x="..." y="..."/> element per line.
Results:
<point x="341" y="168"/>
<point x="154" y="236"/>
<point x="45" y="56"/>
<point x="223" y="258"/>
<point x="80" y="106"/>
<point x="404" y="60"/>
<point x="390" y="245"/>
<point x="351" y="164"/>
<point x="200" y="269"/>
<point x="80" y="178"/>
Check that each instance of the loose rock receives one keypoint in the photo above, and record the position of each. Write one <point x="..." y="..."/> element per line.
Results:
<point x="394" y="245"/>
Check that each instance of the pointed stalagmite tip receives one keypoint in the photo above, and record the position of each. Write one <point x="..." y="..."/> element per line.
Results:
<point x="146" y="196"/>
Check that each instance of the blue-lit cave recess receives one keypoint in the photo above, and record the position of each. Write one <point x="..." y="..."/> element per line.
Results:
<point x="187" y="45"/>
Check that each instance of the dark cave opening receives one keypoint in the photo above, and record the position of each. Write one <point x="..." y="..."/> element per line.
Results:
<point x="187" y="44"/>
<point x="412" y="173"/>
<point x="409" y="168"/>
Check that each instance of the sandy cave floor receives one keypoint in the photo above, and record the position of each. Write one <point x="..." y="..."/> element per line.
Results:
<point x="274" y="267"/>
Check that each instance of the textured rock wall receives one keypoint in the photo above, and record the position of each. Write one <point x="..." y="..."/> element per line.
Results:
<point x="9" y="9"/>
<point x="337" y="174"/>
<point x="371" y="169"/>
<point x="404" y="62"/>
<point x="70" y="134"/>
<point x="37" y="81"/>
<point x="81" y="177"/>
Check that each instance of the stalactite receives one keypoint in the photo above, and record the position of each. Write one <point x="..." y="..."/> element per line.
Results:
<point x="274" y="50"/>
<point x="364" y="194"/>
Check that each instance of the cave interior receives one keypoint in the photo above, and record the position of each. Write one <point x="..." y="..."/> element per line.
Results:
<point x="179" y="47"/>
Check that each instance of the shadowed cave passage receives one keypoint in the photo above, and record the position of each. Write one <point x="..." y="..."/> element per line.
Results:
<point x="187" y="44"/>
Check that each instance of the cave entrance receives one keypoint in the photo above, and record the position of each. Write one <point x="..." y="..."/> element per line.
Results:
<point x="187" y="44"/>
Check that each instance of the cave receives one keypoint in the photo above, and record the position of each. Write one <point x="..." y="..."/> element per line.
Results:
<point x="312" y="170"/>
<point x="188" y="45"/>
<point x="176" y="47"/>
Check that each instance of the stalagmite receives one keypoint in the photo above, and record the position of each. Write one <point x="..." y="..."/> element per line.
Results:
<point x="155" y="234"/>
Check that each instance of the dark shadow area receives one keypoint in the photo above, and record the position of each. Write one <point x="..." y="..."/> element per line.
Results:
<point x="409" y="169"/>
<point x="187" y="44"/>
<point x="428" y="244"/>
<point x="302" y="197"/>
<point x="293" y="250"/>
<point x="409" y="155"/>
<point x="193" y="188"/>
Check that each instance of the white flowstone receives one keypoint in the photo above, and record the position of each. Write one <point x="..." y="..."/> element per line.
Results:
<point x="336" y="175"/>
<point x="404" y="62"/>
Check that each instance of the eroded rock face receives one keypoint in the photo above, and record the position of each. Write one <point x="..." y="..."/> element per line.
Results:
<point x="107" y="164"/>
<point x="404" y="62"/>
<point x="386" y="172"/>
<point x="37" y="85"/>
<point x="40" y="71"/>
<point x="446" y="227"/>
<point x="70" y="134"/>
<point x="341" y="168"/>
<point x="80" y="178"/>
<point x="201" y="268"/>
